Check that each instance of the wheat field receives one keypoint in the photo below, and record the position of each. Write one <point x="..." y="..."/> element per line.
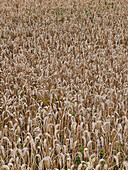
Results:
<point x="64" y="85"/>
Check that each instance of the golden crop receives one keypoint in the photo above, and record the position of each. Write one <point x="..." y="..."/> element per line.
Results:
<point x="64" y="88"/>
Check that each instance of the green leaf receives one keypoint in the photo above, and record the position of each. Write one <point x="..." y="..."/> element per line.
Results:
<point x="39" y="98"/>
<point x="86" y="163"/>
<point x="44" y="99"/>
<point x="47" y="101"/>
<point x="73" y="113"/>
<point x="81" y="146"/>
<point x="82" y="151"/>
<point x="85" y="11"/>
<point x="103" y="162"/>
<point x="78" y="159"/>
<point x="112" y="4"/>
<point x="102" y="152"/>
<point x="20" y="144"/>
